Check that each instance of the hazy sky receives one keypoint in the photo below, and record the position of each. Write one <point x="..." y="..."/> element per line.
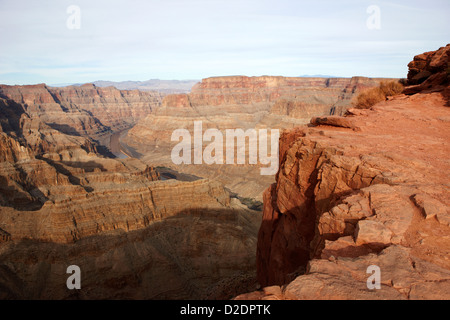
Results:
<point x="193" y="39"/>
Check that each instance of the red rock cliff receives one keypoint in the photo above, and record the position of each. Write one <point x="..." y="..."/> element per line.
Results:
<point x="368" y="188"/>
<point x="85" y="110"/>
<point x="242" y="90"/>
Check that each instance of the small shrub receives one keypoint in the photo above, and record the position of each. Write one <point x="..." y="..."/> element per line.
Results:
<point x="391" y="88"/>
<point x="369" y="97"/>
<point x="372" y="96"/>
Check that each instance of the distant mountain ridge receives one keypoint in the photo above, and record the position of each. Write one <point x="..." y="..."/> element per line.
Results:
<point x="318" y="76"/>
<point x="165" y="86"/>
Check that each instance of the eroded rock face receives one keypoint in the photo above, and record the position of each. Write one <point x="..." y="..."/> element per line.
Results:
<point x="347" y="199"/>
<point x="429" y="71"/>
<point x="86" y="110"/>
<point x="312" y="92"/>
<point x="347" y="194"/>
<point x="114" y="108"/>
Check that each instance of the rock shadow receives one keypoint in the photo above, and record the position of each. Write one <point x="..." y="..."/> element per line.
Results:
<point x="182" y="257"/>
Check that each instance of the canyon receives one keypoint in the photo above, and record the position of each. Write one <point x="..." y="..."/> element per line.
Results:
<point x="221" y="103"/>
<point x="66" y="200"/>
<point x="73" y="191"/>
<point x="87" y="179"/>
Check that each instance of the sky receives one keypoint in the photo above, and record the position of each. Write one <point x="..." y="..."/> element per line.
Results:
<point x="47" y="42"/>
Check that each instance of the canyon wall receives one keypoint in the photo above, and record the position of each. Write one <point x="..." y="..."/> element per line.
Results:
<point x="114" y="108"/>
<point x="242" y="90"/>
<point x="132" y="234"/>
<point x="367" y="189"/>
<point x="240" y="102"/>
<point x="86" y="110"/>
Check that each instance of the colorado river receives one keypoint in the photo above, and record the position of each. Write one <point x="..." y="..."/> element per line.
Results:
<point x="115" y="146"/>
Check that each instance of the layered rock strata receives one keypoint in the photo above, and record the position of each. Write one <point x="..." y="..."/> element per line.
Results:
<point x="368" y="189"/>
<point x="86" y="110"/>
<point x="429" y="70"/>
<point x="132" y="234"/>
<point x="245" y="103"/>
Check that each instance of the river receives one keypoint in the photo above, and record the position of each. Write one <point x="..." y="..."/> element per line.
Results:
<point x="115" y="146"/>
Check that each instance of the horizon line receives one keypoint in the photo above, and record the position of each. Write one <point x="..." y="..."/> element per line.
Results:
<point x="67" y="84"/>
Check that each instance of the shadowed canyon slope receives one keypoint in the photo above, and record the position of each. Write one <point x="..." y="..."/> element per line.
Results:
<point x="370" y="188"/>
<point x="86" y="110"/>
<point x="240" y="102"/>
<point x="132" y="234"/>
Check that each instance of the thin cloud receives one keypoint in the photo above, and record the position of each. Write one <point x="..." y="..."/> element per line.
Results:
<point x="180" y="39"/>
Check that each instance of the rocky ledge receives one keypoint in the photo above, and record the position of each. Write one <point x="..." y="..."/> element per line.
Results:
<point x="368" y="189"/>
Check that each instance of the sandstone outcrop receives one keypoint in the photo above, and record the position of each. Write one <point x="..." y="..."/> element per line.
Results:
<point x="345" y="194"/>
<point x="429" y="71"/>
<point x="334" y="121"/>
<point x="345" y="200"/>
